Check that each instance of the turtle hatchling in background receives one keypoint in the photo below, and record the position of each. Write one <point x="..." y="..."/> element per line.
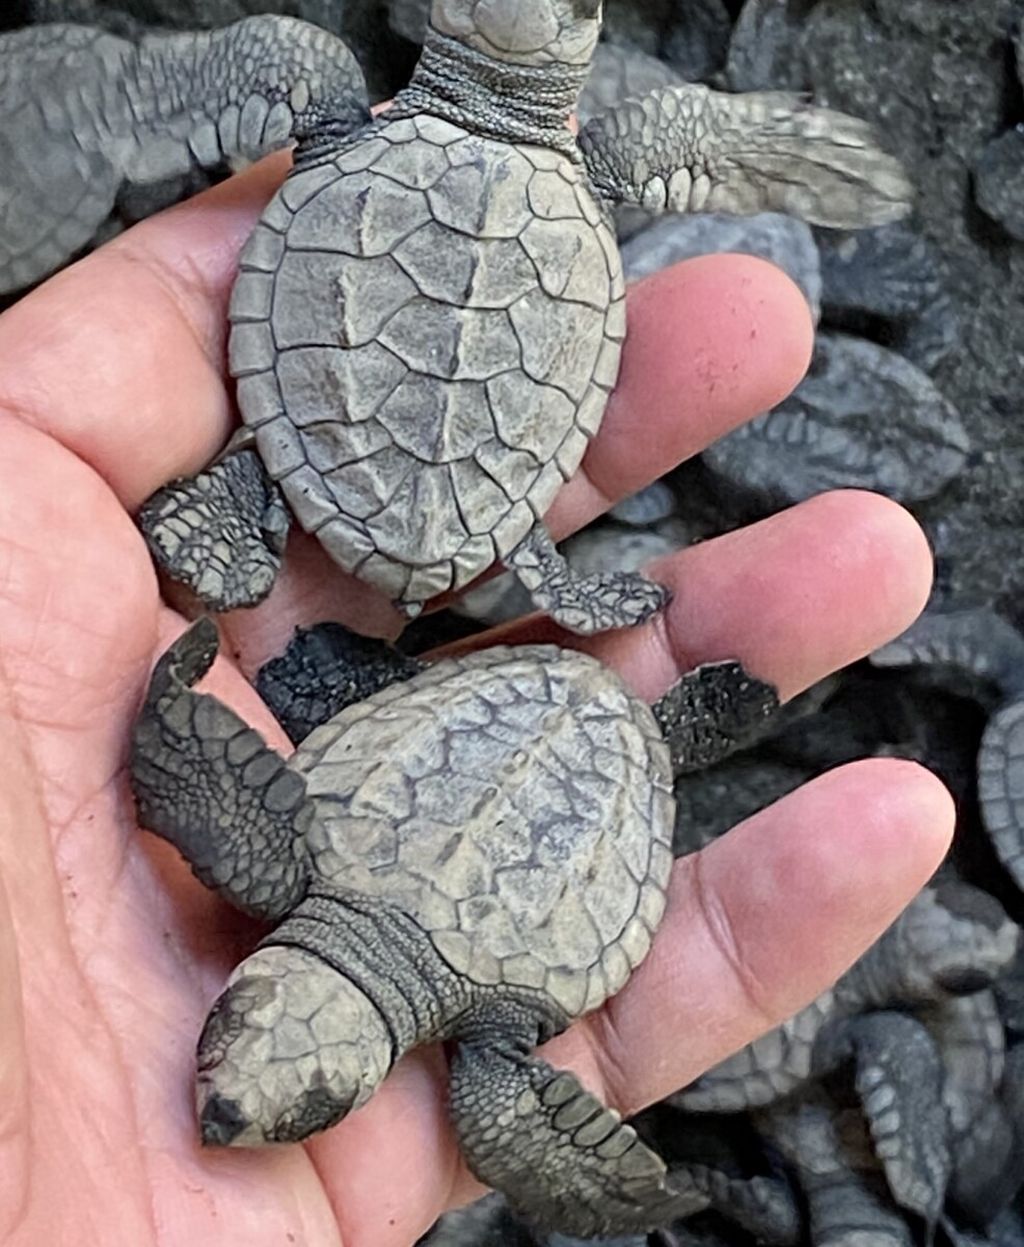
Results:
<point x="429" y="317"/>
<point x="476" y="854"/>
<point x="95" y="126"/>
<point x="978" y="652"/>
<point x="864" y="417"/>
<point x="928" y="1079"/>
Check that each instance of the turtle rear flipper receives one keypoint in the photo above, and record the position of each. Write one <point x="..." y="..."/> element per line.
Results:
<point x="208" y="783"/>
<point x="221" y="533"/>
<point x="558" y="1155"/>
<point x="691" y="149"/>
<point x="583" y="604"/>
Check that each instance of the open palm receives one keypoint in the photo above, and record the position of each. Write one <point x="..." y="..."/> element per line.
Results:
<point x="112" y="381"/>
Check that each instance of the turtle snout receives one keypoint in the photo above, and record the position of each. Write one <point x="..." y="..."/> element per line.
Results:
<point x="288" y="1050"/>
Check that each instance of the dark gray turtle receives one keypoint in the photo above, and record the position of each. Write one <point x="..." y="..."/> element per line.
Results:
<point x="978" y="652"/>
<point x="899" y="1078"/>
<point x="783" y="240"/>
<point x="429" y="318"/>
<point x="926" y="1084"/>
<point x="764" y="50"/>
<point x="864" y="417"/>
<point x="950" y="940"/>
<point x="88" y="117"/>
<point x="828" y="1149"/>
<point x="478" y="854"/>
<point x="888" y="285"/>
<point x="971" y="1041"/>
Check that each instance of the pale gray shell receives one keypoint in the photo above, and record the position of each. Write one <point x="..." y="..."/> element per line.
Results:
<point x="517" y="803"/>
<point x="426" y="329"/>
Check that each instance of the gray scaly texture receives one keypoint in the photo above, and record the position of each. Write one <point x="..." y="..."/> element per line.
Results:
<point x="429" y="317"/>
<point x="984" y="647"/>
<point x="951" y="939"/>
<point x="864" y="418"/>
<point x="88" y="116"/>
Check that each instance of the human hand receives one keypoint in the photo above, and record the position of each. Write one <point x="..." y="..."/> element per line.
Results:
<point x="113" y="382"/>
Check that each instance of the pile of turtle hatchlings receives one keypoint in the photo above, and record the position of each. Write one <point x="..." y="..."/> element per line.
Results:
<point x="891" y="1111"/>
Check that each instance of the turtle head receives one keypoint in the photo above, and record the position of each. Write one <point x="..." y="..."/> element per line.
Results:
<point x="955" y="940"/>
<point x="288" y="1050"/>
<point x="524" y="32"/>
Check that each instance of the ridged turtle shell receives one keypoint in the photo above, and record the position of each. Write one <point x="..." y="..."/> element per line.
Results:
<point x="426" y="329"/>
<point x="517" y="803"/>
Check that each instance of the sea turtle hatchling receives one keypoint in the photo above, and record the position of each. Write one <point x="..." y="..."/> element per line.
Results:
<point x="477" y="854"/>
<point x="429" y="317"/>
<point x="978" y="653"/>
<point x="91" y="123"/>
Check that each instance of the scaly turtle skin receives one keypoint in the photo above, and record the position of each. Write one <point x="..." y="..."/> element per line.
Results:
<point x="429" y="318"/>
<point x="926" y="1083"/>
<point x="827" y="1148"/>
<point x="87" y="118"/>
<point x="951" y="940"/>
<point x="980" y="653"/>
<point x="477" y="854"/>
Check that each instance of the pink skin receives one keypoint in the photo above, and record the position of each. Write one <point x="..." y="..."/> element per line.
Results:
<point x="110" y="953"/>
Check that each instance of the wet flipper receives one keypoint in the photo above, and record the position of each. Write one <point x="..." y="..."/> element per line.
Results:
<point x="558" y="1155"/>
<point x="325" y="669"/>
<point x="221" y="533"/>
<point x="583" y="604"/>
<point x="898" y="1078"/>
<point x="691" y="149"/>
<point x="713" y="711"/>
<point x="207" y="783"/>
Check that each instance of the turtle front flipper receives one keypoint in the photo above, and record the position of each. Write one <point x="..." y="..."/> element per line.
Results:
<point x="691" y="149"/>
<point x="898" y="1077"/>
<point x="325" y="669"/>
<point x="207" y="783"/>
<point x="711" y="712"/>
<point x="583" y="604"/>
<point x="221" y="533"/>
<point x="557" y="1154"/>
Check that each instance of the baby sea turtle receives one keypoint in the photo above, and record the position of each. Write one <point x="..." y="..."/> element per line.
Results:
<point x="827" y="1148"/>
<point x="980" y="653"/>
<point x="478" y="854"/>
<point x="926" y="1084"/>
<point x="952" y="939"/>
<point x="89" y="119"/>
<point x="429" y="317"/>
